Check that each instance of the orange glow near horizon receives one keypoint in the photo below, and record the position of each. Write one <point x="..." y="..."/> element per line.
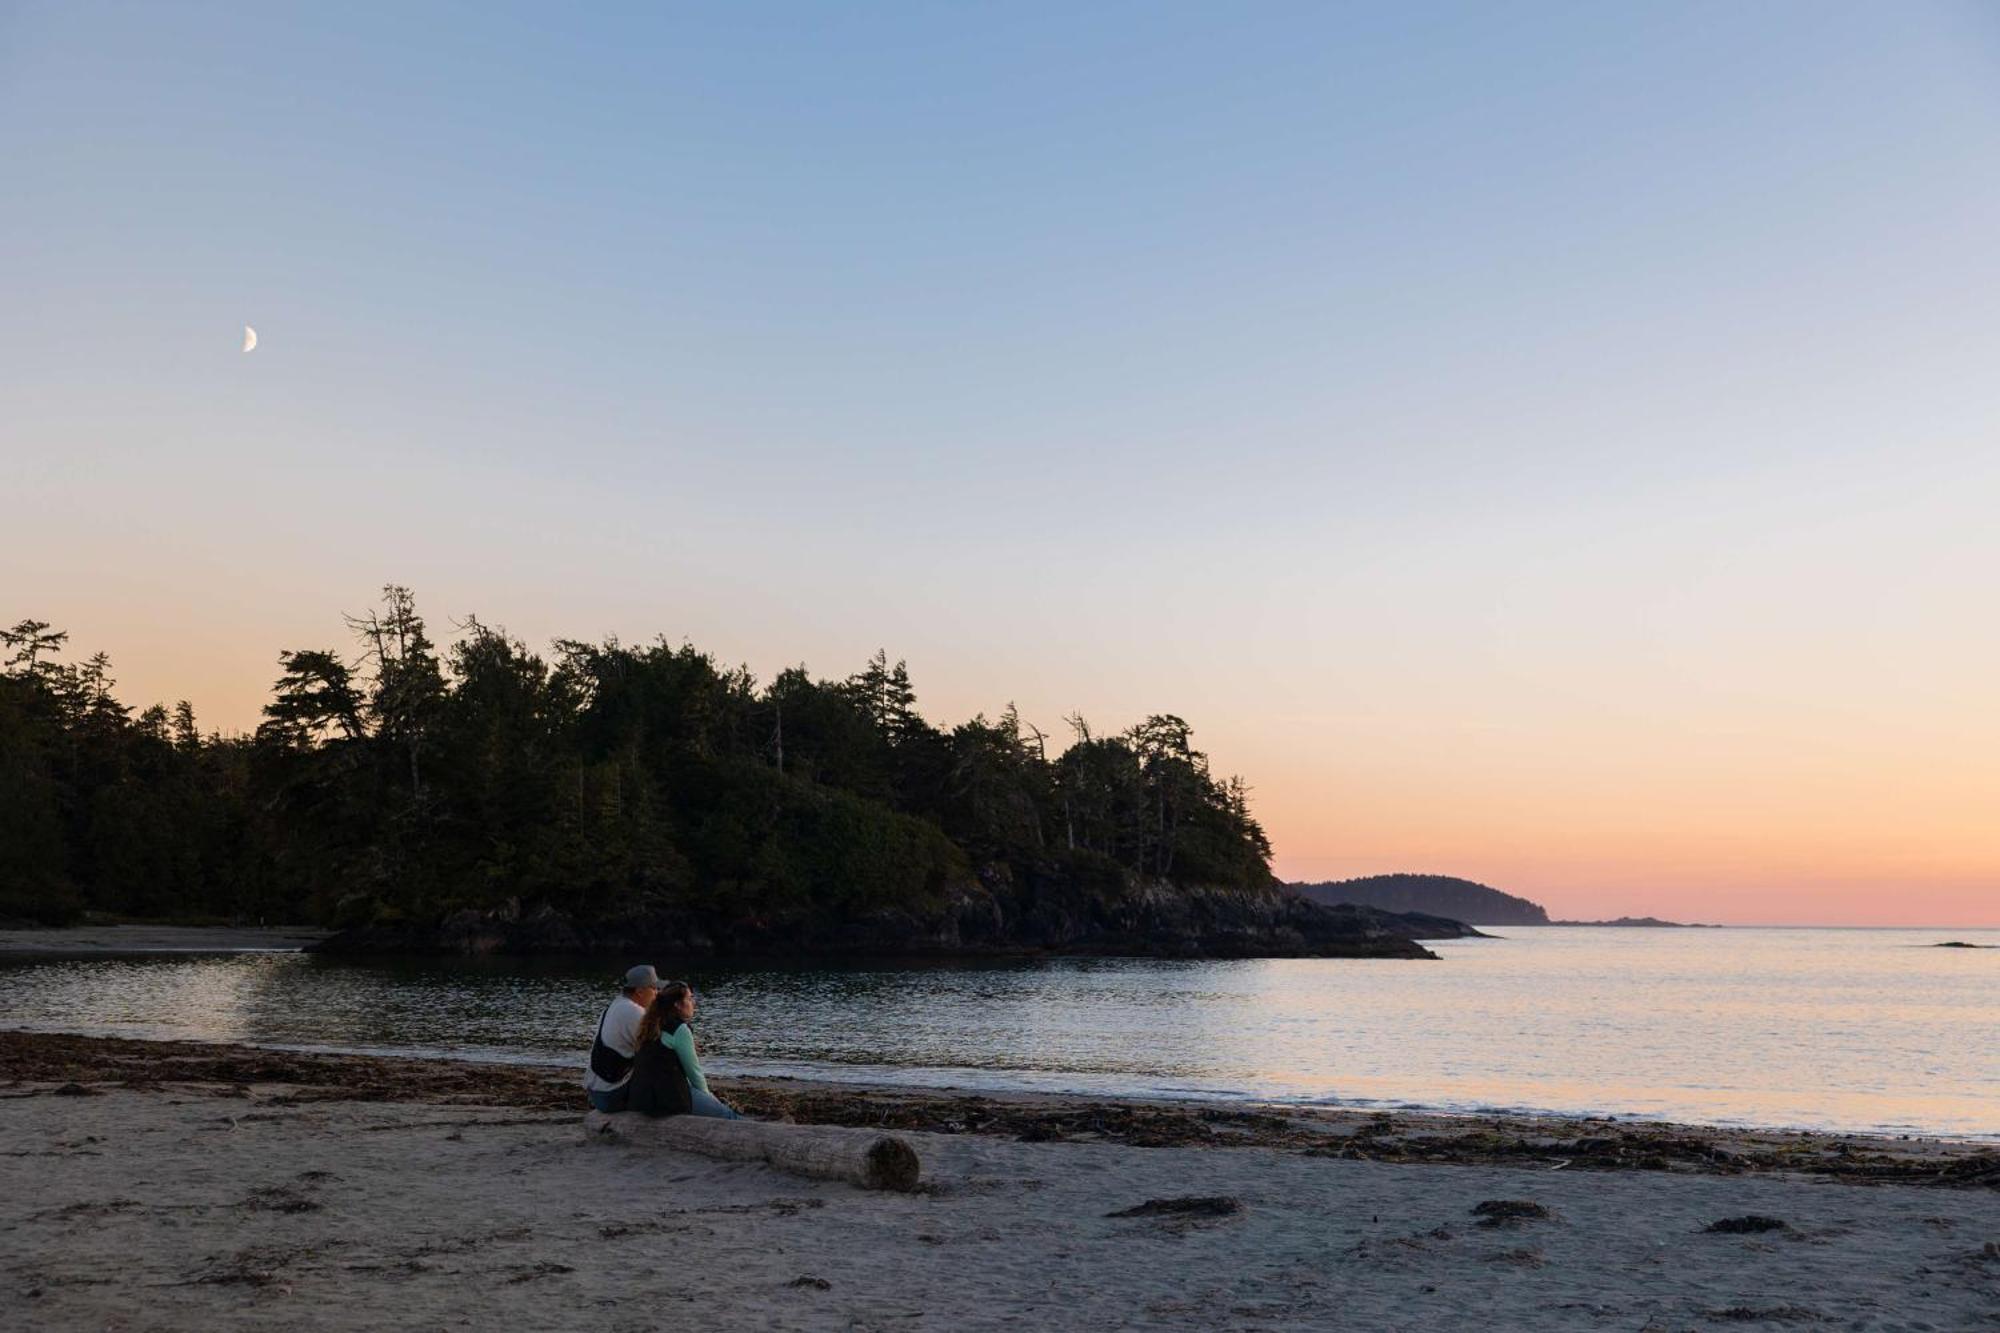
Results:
<point x="1762" y="819"/>
<point x="1738" y="838"/>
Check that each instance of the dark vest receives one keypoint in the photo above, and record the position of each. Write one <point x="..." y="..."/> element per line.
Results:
<point x="659" y="1085"/>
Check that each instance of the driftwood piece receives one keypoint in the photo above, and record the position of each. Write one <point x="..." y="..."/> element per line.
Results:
<point x="861" y="1157"/>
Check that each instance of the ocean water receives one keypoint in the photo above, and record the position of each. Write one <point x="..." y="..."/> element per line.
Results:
<point x="1851" y="1030"/>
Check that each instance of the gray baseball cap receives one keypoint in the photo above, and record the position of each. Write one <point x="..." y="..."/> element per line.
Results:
<point x="643" y="975"/>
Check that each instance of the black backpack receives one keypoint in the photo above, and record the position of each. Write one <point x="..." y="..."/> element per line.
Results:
<point x="606" y="1063"/>
<point x="659" y="1085"/>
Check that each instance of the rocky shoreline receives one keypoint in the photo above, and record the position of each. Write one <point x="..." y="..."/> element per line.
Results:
<point x="100" y="941"/>
<point x="993" y="917"/>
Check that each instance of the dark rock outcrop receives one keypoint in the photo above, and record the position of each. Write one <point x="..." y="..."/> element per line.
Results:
<point x="1750" y="1224"/>
<point x="1425" y="926"/>
<point x="1503" y="1212"/>
<point x="1193" y="1205"/>
<point x="994" y="915"/>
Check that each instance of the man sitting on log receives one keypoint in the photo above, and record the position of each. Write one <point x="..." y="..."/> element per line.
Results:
<point x="607" y="1075"/>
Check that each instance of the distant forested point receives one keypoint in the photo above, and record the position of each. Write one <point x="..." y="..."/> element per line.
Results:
<point x="1448" y="896"/>
<point x="394" y="781"/>
<point x="1651" y="922"/>
<point x="1439" y="895"/>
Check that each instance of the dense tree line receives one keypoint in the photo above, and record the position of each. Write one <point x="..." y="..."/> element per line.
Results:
<point x="398" y="779"/>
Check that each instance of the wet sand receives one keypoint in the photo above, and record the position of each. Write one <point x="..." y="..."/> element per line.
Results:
<point x="176" y="1185"/>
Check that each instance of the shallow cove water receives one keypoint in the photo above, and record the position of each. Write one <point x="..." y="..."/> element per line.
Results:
<point x="1851" y="1030"/>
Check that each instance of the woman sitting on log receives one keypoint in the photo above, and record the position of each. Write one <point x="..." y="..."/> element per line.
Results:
<point x="666" y="1073"/>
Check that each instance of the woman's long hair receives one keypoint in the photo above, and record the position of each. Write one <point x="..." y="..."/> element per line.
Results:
<point x="660" y="1014"/>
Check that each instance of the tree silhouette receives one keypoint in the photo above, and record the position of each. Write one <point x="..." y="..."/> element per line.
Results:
<point x="597" y="779"/>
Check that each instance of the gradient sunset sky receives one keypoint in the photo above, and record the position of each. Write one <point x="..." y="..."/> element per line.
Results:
<point x="1552" y="444"/>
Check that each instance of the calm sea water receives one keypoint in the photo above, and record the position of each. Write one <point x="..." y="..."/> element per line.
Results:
<point x="1855" y="1030"/>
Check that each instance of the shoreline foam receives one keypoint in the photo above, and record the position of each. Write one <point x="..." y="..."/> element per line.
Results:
<point x="1193" y="1100"/>
<point x="37" y="1063"/>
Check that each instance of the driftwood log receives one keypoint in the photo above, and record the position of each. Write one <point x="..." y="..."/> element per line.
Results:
<point x="861" y="1157"/>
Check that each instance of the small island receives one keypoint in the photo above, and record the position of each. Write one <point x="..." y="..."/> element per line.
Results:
<point x="1648" y="921"/>
<point x="1449" y="896"/>
<point x="1437" y="895"/>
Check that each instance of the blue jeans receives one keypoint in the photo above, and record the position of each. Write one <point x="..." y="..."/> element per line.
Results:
<point x="707" y="1103"/>
<point x="613" y="1101"/>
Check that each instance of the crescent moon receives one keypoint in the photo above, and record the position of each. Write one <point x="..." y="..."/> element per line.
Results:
<point x="249" y="339"/>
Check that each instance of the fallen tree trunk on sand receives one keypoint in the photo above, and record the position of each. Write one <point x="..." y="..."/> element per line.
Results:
<point x="824" y="1152"/>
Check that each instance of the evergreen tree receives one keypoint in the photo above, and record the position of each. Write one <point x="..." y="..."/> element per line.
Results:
<point x="408" y="688"/>
<point x="315" y="701"/>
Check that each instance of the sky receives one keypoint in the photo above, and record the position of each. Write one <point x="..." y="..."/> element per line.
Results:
<point x="1550" y="444"/>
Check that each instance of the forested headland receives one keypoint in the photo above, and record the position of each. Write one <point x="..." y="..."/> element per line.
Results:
<point x="481" y="794"/>
<point x="1443" y="895"/>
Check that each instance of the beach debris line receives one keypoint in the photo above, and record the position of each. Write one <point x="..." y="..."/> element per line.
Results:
<point x="1750" y="1224"/>
<point x="1506" y="1212"/>
<point x="35" y="1064"/>
<point x="861" y="1157"/>
<point x="279" y="1199"/>
<point x="1188" y="1206"/>
<point x="1767" y="1314"/>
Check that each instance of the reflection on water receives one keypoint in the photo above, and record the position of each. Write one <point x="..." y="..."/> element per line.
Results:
<point x="1848" y="1029"/>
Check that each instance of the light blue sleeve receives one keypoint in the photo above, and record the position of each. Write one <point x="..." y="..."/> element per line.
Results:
<point x="682" y="1044"/>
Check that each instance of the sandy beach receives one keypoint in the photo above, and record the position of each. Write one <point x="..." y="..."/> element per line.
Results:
<point x="168" y="1185"/>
